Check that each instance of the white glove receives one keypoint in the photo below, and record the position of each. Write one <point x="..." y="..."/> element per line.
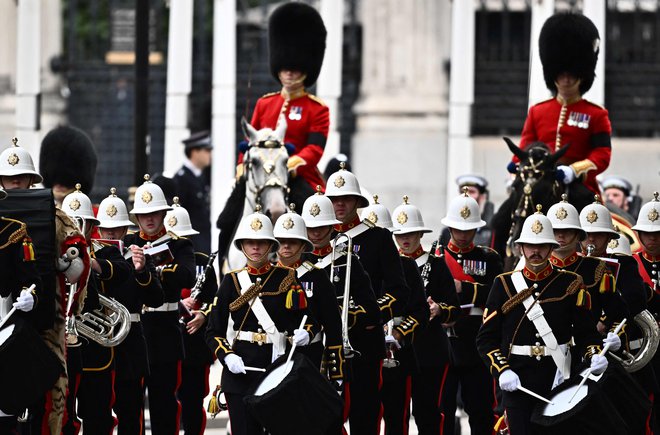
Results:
<point x="509" y="380"/>
<point x="389" y="339"/>
<point x="569" y="173"/>
<point x="25" y="301"/>
<point x="613" y="340"/>
<point x="234" y="363"/>
<point x="300" y="337"/>
<point x="598" y="364"/>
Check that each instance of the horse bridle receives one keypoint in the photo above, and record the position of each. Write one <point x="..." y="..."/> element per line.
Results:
<point x="273" y="180"/>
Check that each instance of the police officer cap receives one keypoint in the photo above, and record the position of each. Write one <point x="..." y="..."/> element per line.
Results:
<point x="617" y="182"/>
<point x="68" y="157"/>
<point x="296" y="40"/>
<point x="472" y="180"/>
<point x="200" y="139"/>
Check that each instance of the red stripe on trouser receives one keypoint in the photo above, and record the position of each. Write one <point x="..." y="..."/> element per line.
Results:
<point x="406" y="411"/>
<point x="380" y="388"/>
<point x="440" y="391"/>
<point x="207" y="370"/>
<point x="347" y="405"/>
<point x="112" y="401"/>
<point x="649" y="431"/>
<point x="142" y="407"/>
<point x="176" y="388"/>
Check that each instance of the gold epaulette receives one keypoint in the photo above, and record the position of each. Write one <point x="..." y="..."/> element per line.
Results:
<point x="270" y="94"/>
<point x="577" y="283"/>
<point x="317" y="99"/>
<point x="17" y="235"/>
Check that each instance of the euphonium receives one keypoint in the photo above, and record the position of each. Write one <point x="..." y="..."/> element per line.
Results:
<point x="349" y="352"/>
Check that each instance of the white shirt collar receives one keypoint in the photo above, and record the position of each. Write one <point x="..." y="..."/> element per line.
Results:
<point x="194" y="169"/>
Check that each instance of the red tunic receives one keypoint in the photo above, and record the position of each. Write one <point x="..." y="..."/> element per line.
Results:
<point x="582" y="120"/>
<point x="308" y="121"/>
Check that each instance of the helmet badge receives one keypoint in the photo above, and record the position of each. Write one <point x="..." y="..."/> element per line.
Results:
<point x="74" y="204"/>
<point x="592" y="216"/>
<point x="256" y="224"/>
<point x="111" y="211"/>
<point x="172" y="221"/>
<point x="315" y="210"/>
<point x="402" y="218"/>
<point x="339" y="182"/>
<point x="288" y="224"/>
<point x="613" y="244"/>
<point x="373" y="217"/>
<point x="653" y="215"/>
<point x="537" y="227"/>
<point x="13" y="159"/>
<point x="146" y="197"/>
<point x="465" y="212"/>
<point x="561" y="213"/>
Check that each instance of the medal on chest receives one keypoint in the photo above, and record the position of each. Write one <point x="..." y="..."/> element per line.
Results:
<point x="308" y="287"/>
<point x="474" y="267"/>
<point x="579" y="120"/>
<point x="295" y="113"/>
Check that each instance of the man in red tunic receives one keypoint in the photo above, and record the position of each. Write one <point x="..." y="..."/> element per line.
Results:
<point x="297" y="45"/>
<point x="568" y="47"/>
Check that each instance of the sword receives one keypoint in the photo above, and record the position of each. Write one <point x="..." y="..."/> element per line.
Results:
<point x="533" y="394"/>
<point x="602" y="352"/>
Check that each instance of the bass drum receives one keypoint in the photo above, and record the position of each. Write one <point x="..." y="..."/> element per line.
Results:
<point x="294" y="399"/>
<point x="612" y="403"/>
<point x="27" y="367"/>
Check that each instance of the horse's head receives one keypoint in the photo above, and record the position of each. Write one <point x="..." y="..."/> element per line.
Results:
<point x="537" y="163"/>
<point x="266" y="170"/>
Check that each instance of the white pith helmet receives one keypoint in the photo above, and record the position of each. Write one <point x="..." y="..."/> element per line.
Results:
<point x="149" y="197"/>
<point x="648" y="219"/>
<point x="378" y="215"/>
<point x="619" y="246"/>
<point x="564" y="216"/>
<point x="408" y="219"/>
<point x="177" y="220"/>
<point x="317" y="211"/>
<point x="596" y="218"/>
<point x="291" y="225"/>
<point x="345" y="183"/>
<point x="16" y="160"/>
<point x="537" y="230"/>
<point x="112" y="212"/>
<point x="78" y="205"/>
<point x="255" y="226"/>
<point x="463" y="213"/>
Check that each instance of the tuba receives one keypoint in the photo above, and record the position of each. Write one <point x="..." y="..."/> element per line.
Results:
<point x="349" y="352"/>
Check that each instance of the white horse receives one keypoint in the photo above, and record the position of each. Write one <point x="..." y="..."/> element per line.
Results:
<point x="266" y="177"/>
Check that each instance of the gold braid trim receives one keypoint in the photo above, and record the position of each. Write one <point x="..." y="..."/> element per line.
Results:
<point x="17" y="235"/>
<point x="252" y="292"/>
<point x="575" y="285"/>
<point x="255" y="288"/>
<point x="598" y="274"/>
<point x="516" y="300"/>
<point x="285" y="285"/>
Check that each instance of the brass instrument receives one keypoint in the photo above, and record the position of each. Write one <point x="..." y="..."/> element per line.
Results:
<point x="349" y="352"/>
<point x="590" y="250"/>
<point x="196" y="291"/>
<point x="389" y="361"/>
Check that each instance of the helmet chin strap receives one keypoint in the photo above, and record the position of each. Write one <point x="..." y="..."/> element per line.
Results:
<point x="260" y="259"/>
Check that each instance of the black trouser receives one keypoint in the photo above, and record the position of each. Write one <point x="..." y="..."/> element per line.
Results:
<point x="129" y="406"/>
<point x="194" y="388"/>
<point x="364" y="395"/>
<point x="8" y="425"/>
<point x="396" y="399"/>
<point x="477" y="395"/>
<point x="95" y="399"/>
<point x="242" y="422"/>
<point x="164" y="409"/>
<point x="427" y="390"/>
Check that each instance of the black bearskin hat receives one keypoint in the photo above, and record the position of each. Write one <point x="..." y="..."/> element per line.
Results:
<point x="296" y="39"/>
<point x="569" y="43"/>
<point x="68" y="157"/>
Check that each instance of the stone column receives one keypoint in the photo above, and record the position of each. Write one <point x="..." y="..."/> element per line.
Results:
<point x="541" y="11"/>
<point x="401" y="140"/>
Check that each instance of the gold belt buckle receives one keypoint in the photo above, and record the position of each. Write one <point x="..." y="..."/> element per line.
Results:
<point x="259" y="338"/>
<point x="538" y="351"/>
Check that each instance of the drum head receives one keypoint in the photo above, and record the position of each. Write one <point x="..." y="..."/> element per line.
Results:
<point x="274" y="378"/>
<point x="562" y="401"/>
<point x="5" y="333"/>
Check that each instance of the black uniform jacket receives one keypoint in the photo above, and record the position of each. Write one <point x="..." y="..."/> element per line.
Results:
<point x="381" y="260"/>
<point x="365" y="334"/>
<point x="193" y="195"/>
<point x="564" y="302"/>
<point x="115" y="272"/>
<point x="480" y="265"/>
<point x="651" y="266"/>
<point x="276" y="283"/>
<point x="161" y="328"/>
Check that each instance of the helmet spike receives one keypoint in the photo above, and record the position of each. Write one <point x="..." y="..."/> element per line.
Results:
<point x="342" y="166"/>
<point x="146" y="178"/>
<point x="465" y="191"/>
<point x="14" y="141"/>
<point x="405" y="199"/>
<point x="375" y="199"/>
<point x="292" y="208"/>
<point x="175" y="200"/>
<point x="113" y="191"/>
<point x="257" y="208"/>
<point x="539" y="207"/>
<point x="78" y="187"/>
<point x="655" y="196"/>
<point x="318" y="189"/>
<point x="564" y="197"/>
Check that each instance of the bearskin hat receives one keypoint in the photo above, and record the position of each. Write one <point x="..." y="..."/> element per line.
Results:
<point x="296" y="39"/>
<point x="569" y="43"/>
<point x="68" y="157"/>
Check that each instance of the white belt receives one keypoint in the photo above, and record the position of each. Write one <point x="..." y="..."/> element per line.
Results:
<point x="476" y="311"/>
<point x="534" y="351"/>
<point x="635" y="344"/>
<point x="167" y="306"/>
<point x="254" y="337"/>
<point x="135" y="317"/>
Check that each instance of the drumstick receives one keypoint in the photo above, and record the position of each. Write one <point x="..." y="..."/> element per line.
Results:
<point x="293" y="346"/>
<point x="467" y="306"/>
<point x="602" y="352"/>
<point x="533" y="394"/>
<point x="254" y="369"/>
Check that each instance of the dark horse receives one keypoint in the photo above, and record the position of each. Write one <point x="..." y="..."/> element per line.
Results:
<point x="535" y="184"/>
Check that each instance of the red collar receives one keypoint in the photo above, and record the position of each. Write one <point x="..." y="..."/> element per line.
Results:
<point x="458" y="250"/>
<point x="156" y="236"/>
<point x="538" y="276"/>
<point x="650" y="258"/>
<point x="295" y="265"/>
<point x="322" y="252"/>
<point x="342" y="228"/>
<point x="414" y="255"/>
<point x="259" y="271"/>
<point x="558" y="262"/>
